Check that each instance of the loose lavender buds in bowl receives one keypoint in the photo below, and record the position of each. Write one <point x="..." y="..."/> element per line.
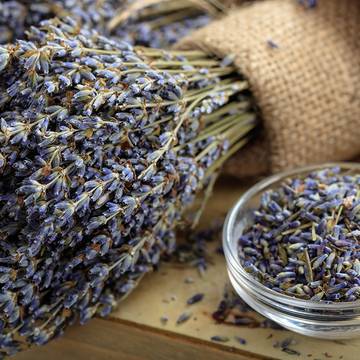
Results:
<point x="293" y="252"/>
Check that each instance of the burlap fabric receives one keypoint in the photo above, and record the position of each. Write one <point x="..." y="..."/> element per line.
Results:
<point x="303" y="66"/>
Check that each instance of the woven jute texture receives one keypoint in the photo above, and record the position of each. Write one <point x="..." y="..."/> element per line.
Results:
<point x="303" y="66"/>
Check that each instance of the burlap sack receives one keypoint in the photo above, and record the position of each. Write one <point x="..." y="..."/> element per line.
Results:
<point x="304" y="69"/>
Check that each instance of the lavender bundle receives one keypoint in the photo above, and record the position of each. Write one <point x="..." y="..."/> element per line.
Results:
<point x="17" y="16"/>
<point x="103" y="148"/>
<point x="157" y="23"/>
<point x="161" y="23"/>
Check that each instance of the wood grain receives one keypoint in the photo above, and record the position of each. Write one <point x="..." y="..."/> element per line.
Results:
<point x="106" y="340"/>
<point x="135" y="332"/>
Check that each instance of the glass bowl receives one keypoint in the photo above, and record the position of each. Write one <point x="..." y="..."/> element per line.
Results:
<point x="317" y="319"/>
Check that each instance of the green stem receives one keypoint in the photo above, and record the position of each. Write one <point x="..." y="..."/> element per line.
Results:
<point x="150" y="52"/>
<point x="172" y="18"/>
<point x="236" y="133"/>
<point x="170" y="63"/>
<point x="233" y="106"/>
<point x="223" y="72"/>
<point x="204" y="62"/>
<point x="226" y="123"/>
<point x="207" y="194"/>
<point x="233" y="124"/>
<point x="209" y="87"/>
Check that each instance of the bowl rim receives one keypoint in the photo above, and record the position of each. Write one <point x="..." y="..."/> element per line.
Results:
<point x="230" y="222"/>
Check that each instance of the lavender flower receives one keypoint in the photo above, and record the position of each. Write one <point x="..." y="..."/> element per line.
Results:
<point x="304" y="240"/>
<point x="161" y="23"/>
<point x="103" y="147"/>
<point x="158" y="24"/>
<point x="17" y="16"/>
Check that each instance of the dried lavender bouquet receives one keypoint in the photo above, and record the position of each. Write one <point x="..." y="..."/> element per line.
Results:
<point x="17" y="16"/>
<point x="161" y="23"/>
<point x="158" y="23"/>
<point x="103" y="147"/>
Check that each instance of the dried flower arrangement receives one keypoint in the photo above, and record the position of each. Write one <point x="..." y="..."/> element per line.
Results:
<point x="153" y="23"/>
<point x="161" y="23"/>
<point x="103" y="148"/>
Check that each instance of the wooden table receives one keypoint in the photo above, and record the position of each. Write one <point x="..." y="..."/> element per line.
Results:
<point x="135" y="331"/>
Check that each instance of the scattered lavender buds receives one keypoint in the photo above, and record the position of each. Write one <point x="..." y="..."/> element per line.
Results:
<point x="195" y="251"/>
<point x="232" y="310"/>
<point x="102" y="149"/>
<point x="272" y="44"/>
<point x="284" y="346"/>
<point x="195" y="299"/>
<point x="240" y="340"/>
<point x="183" y="318"/>
<point x="218" y="338"/>
<point x="164" y="320"/>
<point x="304" y="241"/>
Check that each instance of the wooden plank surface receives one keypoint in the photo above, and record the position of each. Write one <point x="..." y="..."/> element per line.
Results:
<point x="135" y="331"/>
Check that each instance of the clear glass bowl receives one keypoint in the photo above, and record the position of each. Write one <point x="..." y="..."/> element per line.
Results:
<point x="317" y="319"/>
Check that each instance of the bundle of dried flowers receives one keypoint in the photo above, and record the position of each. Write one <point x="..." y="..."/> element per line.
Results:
<point x="154" y="23"/>
<point x="103" y="146"/>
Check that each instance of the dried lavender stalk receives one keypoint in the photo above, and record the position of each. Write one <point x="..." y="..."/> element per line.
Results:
<point x="102" y="148"/>
<point x="305" y="238"/>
